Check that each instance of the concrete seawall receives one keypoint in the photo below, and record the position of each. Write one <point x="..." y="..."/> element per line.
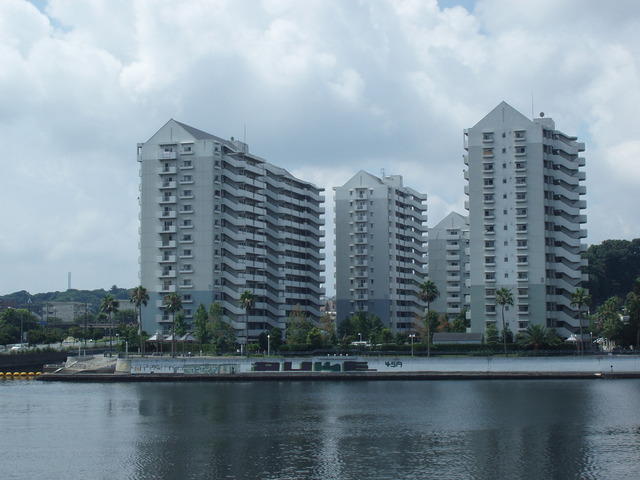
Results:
<point x="357" y="367"/>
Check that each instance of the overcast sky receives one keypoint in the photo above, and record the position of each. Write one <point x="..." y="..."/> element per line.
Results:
<point x="321" y="88"/>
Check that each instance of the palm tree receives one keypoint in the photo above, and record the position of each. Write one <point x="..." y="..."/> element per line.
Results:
<point x="140" y="298"/>
<point x="537" y="336"/>
<point x="109" y="306"/>
<point x="428" y="293"/>
<point x="579" y="298"/>
<point x="504" y="296"/>
<point x="173" y="304"/>
<point x="247" y="301"/>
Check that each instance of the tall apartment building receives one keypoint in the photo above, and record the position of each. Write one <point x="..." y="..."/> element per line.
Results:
<point x="449" y="264"/>
<point x="524" y="201"/>
<point x="380" y="239"/>
<point x="216" y="221"/>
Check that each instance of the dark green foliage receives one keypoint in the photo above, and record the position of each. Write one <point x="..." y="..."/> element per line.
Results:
<point x="614" y="266"/>
<point x="359" y="326"/>
<point x="460" y="323"/>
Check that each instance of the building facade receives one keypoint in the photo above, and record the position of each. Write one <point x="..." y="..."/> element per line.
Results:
<point x="449" y="264"/>
<point x="215" y="221"/>
<point x="525" y="203"/>
<point x="380" y="242"/>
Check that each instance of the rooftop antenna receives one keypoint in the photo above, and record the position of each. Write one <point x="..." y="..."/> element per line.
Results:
<point x="532" y="109"/>
<point x="382" y="172"/>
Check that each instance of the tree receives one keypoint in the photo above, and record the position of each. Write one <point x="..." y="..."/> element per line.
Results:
<point x="360" y="326"/>
<point x="14" y="322"/>
<point x="173" y="304"/>
<point x="314" y="338"/>
<point x="537" y="337"/>
<point x="607" y="321"/>
<point x="504" y="297"/>
<point x="181" y="328"/>
<point x="110" y="306"/>
<point x="202" y="328"/>
<point x="247" y="301"/>
<point x="140" y="297"/>
<point x="298" y="326"/>
<point x="491" y="334"/>
<point x="632" y="308"/>
<point x="580" y="298"/>
<point x="386" y="336"/>
<point x="276" y="338"/>
<point x="428" y="293"/>
<point x="327" y="326"/>
<point x="613" y="267"/>
<point x="460" y="323"/>
<point x="223" y="335"/>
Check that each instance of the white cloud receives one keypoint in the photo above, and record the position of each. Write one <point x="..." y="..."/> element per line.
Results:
<point x="321" y="88"/>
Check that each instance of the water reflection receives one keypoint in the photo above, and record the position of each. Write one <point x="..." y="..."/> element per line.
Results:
<point x="324" y="430"/>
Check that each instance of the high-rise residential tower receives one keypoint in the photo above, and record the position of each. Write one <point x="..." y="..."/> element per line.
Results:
<point x="525" y="223"/>
<point x="215" y="221"/>
<point x="449" y="264"/>
<point x="380" y="239"/>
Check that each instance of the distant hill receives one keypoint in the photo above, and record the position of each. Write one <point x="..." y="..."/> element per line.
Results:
<point x="92" y="297"/>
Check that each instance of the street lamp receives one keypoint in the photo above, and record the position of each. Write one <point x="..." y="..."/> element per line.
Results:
<point x="360" y="335"/>
<point x="412" y="336"/>
<point x="268" y="345"/>
<point x="21" y="326"/>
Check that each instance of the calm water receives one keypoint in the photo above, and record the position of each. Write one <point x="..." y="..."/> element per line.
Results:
<point x="579" y="429"/>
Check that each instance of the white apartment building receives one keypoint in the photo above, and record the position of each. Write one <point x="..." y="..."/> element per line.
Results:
<point x="380" y="240"/>
<point x="215" y="221"/>
<point x="449" y="264"/>
<point x="525" y="223"/>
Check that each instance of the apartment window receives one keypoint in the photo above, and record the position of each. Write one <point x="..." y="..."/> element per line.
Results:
<point x="522" y="259"/>
<point x="489" y="244"/>
<point x="488" y="197"/>
<point x="488" y="182"/>
<point x="523" y="275"/>
<point x="186" y="223"/>
<point x="489" y="260"/>
<point x="522" y="243"/>
<point x="490" y="276"/>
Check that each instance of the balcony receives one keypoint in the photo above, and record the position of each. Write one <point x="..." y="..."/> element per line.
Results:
<point x="166" y="170"/>
<point x="167" y="155"/>
<point x="166" y="185"/>
<point x="167" y="214"/>
<point x="166" y="273"/>
<point x="166" y="244"/>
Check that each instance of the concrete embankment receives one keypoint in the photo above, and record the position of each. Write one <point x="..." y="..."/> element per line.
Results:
<point x="152" y="369"/>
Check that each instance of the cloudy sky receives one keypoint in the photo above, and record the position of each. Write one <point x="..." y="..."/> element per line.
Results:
<point x="322" y="88"/>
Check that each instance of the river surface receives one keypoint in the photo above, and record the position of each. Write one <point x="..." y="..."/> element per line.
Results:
<point x="485" y="429"/>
